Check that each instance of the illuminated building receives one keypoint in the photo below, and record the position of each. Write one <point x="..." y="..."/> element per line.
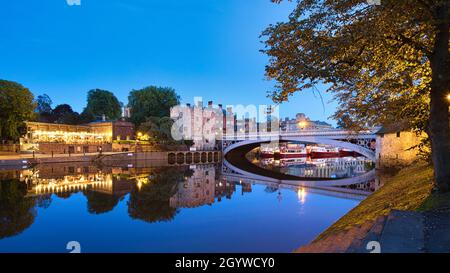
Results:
<point x="62" y="138"/>
<point x="302" y="122"/>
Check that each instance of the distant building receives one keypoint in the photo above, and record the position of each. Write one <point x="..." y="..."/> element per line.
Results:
<point x="302" y="122"/>
<point x="200" y="124"/>
<point x="126" y="112"/>
<point x="62" y="138"/>
<point x="197" y="190"/>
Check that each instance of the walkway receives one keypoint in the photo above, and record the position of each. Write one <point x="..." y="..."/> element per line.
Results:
<point x="399" y="232"/>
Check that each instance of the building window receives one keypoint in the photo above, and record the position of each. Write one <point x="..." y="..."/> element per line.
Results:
<point x="398" y="134"/>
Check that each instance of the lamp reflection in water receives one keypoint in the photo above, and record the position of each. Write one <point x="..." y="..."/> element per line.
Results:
<point x="301" y="193"/>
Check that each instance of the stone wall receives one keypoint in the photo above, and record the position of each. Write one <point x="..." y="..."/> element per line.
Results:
<point x="9" y="148"/>
<point x="394" y="149"/>
<point x="59" y="148"/>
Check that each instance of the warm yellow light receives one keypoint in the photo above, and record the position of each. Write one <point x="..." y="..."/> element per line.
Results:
<point x="302" y="124"/>
<point x="301" y="193"/>
<point x="139" y="134"/>
<point x="448" y="97"/>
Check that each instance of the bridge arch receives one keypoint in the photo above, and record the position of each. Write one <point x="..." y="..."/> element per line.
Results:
<point x="306" y="139"/>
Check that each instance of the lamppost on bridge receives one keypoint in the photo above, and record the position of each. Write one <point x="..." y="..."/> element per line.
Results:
<point x="302" y="124"/>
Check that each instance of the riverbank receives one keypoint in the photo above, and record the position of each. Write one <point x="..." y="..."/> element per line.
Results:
<point x="168" y="157"/>
<point x="408" y="190"/>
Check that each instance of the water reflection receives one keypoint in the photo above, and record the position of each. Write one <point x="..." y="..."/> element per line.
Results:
<point x="155" y="194"/>
<point x="306" y="167"/>
<point x="16" y="211"/>
<point x="160" y="195"/>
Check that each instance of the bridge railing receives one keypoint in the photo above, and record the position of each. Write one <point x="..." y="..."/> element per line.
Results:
<point x="315" y="133"/>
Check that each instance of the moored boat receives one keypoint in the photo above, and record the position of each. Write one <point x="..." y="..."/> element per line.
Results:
<point x="324" y="152"/>
<point x="293" y="151"/>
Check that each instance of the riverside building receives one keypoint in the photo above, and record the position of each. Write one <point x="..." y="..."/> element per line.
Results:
<point x="105" y="136"/>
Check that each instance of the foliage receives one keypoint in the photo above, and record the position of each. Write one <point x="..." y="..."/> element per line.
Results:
<point x="16" y="106"/>
<point x="366" y="53"/>
<point x="385" y="64"/>
<point x="64" y="114"/>
<point x="159" y="131"/>
<point x="99" y="202"/>
<point x="102" y="102"/>
<point x="151" y="202"/>
<point x="44" y="104"/>
<point x="151" y="101"/>
<point x="16" y="211"/>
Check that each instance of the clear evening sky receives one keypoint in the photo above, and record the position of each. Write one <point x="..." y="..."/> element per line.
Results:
<point x="207" y="48"/>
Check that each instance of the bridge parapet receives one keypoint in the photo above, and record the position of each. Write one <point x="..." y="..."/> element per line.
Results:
<point x="336" y="133"/>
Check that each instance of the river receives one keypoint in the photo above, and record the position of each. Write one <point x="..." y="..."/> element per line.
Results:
<point x="188" y="208"/>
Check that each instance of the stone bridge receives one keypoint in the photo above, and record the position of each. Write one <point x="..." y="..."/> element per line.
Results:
<point x="359" y="142"/>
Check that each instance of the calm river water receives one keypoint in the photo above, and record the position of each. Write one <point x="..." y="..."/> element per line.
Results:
<point x="192" y="208"/>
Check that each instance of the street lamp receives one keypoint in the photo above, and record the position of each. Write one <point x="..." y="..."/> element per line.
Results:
<point x="302" y="124"/>
<point x="448" y="97"/>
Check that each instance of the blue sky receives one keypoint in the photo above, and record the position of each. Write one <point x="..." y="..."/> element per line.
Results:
<point x="207" y="48"/>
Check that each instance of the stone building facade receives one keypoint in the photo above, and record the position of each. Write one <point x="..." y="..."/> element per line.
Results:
<point x="395" y="147"/>
<point x="200" y="124"/>
<point x="197" y="190"/>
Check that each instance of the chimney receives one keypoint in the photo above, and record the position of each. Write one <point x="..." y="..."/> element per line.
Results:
<point x="210" y="103"/>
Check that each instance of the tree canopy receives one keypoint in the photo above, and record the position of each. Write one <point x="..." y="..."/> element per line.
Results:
<point x="384" y="64"/>
<point x="151" y="101"/>
<point x="102" y="102"/>
<point x="151" y="202"/>
<point x="64" y="114"/>
<point x="44" y="104"/>
<point x="16" y="106"/>
<point x="17" y="212"/>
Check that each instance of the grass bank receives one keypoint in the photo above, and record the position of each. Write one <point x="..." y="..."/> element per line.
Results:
<point x="409" y="189"/>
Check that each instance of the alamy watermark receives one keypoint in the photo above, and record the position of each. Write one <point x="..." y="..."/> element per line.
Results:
<point x="214" y="122"/>
<point x="73" y="2"/>
<point x="74" y="247"/>
<point x="374" y="247"/>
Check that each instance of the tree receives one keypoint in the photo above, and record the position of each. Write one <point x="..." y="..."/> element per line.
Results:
<point x="385" y="63"/>
<point x="44" y="108"/>
<point x="17" y="212"/>
<point x="102" y="102"/>
<point x="151" y="202"/>
<point x="151" y="101"/>
<point x="99" y="202"/>
<point x="16" y="106"/>
<point x="157" y="128"/>
<point x="44" y="104"/>
<point x="64" y="114"/>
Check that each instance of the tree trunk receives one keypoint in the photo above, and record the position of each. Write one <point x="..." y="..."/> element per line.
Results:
<point x="439" y="104"/>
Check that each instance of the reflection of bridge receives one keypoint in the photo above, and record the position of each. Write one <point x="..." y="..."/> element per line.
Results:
<point x="359" y="142"/>
<point x="324" y="187"/>
<point x="338" y="192"/>
<point x="235" y="165"/>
